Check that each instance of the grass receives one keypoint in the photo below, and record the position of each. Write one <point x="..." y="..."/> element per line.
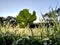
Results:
<point x="30" y="36"/>
<point x="9" y="33"/>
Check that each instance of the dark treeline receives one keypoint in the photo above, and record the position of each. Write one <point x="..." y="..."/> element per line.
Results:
<point x="9" y="19"/>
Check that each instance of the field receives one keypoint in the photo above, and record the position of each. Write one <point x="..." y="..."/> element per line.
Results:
<point x="22" y="34"/>
<point x="30" y="36"/>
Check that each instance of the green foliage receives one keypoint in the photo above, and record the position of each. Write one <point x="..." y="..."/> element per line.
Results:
<point x="6" y="40"/>
<point x="24" y="17"/>
<point x="31" y="41"/>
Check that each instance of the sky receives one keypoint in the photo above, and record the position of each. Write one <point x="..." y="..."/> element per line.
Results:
<point x="13" y="7"/>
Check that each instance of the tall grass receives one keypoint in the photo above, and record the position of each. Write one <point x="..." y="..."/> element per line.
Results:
<point x="23" y="36"/>
<point x="12" y="35"/>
